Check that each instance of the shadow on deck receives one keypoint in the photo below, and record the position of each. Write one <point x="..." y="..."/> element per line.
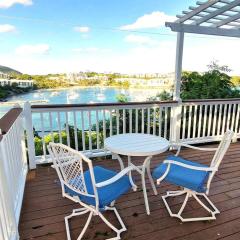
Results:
<point x="43" y="210"/>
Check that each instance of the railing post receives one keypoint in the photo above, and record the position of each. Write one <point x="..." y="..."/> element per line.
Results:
<point x="30" y="135"/>
<point x="175" y="122"/>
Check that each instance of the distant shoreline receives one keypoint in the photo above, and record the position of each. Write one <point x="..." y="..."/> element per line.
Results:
<point x="82" y="87"/>
<point x="100" y="86"/>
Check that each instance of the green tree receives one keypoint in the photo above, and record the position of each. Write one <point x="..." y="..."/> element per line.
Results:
<point x="122" y="98"/>
<point x="162" y="96"/>
<point x="214" y="83"/>
<point x="214" y="65"/>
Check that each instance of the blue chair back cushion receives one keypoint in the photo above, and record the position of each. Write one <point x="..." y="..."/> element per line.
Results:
<point x="106" y="194"/>
<point x="180" y="176"/>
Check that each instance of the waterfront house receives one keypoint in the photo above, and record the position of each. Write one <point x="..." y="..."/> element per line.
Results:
<point x="19" y="83"/>
<point x="5" y="80"/>
<point x="3" y="75"/>
<point x="164" y="81"/>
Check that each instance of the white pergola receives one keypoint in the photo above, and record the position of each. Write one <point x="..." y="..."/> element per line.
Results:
<point x="213" y="17"/>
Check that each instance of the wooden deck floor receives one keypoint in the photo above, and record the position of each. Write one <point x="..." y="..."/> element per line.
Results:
<point x="43" y="211"/>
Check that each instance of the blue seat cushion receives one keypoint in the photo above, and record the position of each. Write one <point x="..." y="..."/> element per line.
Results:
<point x="181" y="176"/>
<point x="106" y="194"/>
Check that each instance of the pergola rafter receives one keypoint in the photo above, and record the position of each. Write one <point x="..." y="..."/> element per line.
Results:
<point x="213" y="17"/>
<point x="225" y="16"/>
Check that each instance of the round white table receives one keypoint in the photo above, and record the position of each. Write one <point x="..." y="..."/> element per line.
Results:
<point x="138" y="145"/>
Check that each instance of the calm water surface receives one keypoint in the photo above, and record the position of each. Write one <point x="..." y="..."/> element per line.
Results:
<point x="78" y="95"/>
<point x="85" y="95"/>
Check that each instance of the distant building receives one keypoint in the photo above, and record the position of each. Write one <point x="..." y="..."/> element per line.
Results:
<point x="148" y="75"/>
<point x="6" y="81"/>
<point x="149" y="80"/>
<point x="3" y="75"/>
<point x="73" y="77"/>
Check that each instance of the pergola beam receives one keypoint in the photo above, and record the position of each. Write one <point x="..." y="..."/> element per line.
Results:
<point x="188" y="28"/>
<point x="218" y="12"/>
<point x="227" y="20"/>
<point x="210" y="11"/>
<point x="197" y="10"/>
<point x="212" y="17"/>
<point x="221" y="17"/>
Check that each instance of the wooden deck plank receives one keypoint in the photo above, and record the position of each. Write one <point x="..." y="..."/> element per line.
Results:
<point x="43" y="211"/>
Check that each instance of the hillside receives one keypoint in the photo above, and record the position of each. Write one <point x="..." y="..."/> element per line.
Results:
<point x="8" y="70"/>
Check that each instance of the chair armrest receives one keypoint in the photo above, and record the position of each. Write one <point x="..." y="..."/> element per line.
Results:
<point x="116" y="177"/>
<point x="207" y="169"/>
<point x="179" y="145"/>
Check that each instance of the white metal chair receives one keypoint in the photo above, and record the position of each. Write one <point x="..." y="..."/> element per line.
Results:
<point x="194" y="178"/>
<point x="95" y="189"/>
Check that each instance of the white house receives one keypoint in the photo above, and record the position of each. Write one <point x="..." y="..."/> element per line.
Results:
<point x="20" y="83"/>
<point x="3" y="75"/>
<point x="152" y="82"/>
<point x="6" y="81"/>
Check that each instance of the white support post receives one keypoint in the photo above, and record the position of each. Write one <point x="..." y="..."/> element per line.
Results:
<point x="178" y="66"/>
<point x="30" y="135"/>
<point x="175" y="122"/>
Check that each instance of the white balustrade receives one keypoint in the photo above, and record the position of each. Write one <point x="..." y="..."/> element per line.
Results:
<point x="207" y="121"/>
<point x="13" y="170"/>
<point x="84" y="127"/>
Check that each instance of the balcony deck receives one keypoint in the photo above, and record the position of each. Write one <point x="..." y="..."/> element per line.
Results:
<point x="43" y="211"/>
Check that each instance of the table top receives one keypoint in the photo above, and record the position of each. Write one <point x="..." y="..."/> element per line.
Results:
<point x="136" y="144"/>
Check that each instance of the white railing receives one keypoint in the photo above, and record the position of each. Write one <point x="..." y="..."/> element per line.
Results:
<point x="84" y="127"/>
<point x="13" y="170"/>
<point x="207" y="121"/>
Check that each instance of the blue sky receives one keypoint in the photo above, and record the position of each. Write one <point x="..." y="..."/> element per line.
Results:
<point x="46" y="36"/>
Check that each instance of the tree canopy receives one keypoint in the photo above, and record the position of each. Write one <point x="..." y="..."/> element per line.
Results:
<point x="215" y="83"/>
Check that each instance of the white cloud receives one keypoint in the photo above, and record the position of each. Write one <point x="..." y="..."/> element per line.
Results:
<point x="153" y="20"/>
<point x="6" y="28"/>
<point x="81" y="29"/>
<point x="137" y="39"/>
<point x="147" y="59"/>
<point x="160" y="57"/>
<point x="91" y="50"/>
<point x="38" y="49"/>
<point x="10" y="3"/>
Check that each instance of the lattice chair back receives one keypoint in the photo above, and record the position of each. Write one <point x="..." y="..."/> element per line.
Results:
<point x="69" y="166"/>
<point x="219" y="154"/>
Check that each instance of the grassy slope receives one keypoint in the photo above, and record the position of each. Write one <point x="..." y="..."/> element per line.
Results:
<point x="8" y="70"/>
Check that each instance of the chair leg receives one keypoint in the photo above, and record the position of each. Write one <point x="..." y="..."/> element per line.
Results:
<point x="189" y="194"/>
<point x="216" y="211"/>
<point x="78" y="212"/>
<point x="82" y="211"/>
<point x="112" y="203"/>
<point x="118" y="231"/>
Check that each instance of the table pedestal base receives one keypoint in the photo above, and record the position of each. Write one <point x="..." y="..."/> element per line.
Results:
<point x="141" y="170"/>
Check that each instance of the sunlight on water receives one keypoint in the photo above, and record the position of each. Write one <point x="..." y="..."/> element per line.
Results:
<point x="81" y="95"/>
